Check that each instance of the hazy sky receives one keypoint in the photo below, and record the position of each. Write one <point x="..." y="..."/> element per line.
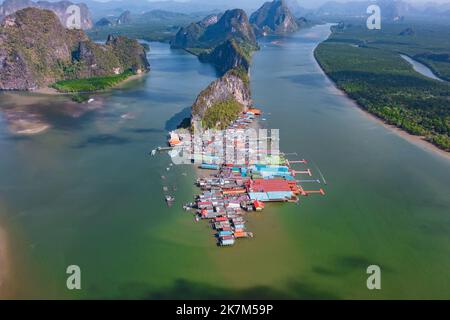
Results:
<point x="304" y="3"/>
<point x="256" y="3"/>
<point x="299" y="1"/>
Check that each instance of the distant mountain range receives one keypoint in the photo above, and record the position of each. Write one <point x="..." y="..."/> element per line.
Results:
<point x="390" y="9"/>
<point x="59" y="8"/>
<point x="96" y="10"/>
<point x="114" y="8"/>
<point x="124" y="19"/>
<point x="272" y="17"/>
<point x="228" y="39"/>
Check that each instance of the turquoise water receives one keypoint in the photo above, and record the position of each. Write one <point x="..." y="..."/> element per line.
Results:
<point x="86" y="192"/>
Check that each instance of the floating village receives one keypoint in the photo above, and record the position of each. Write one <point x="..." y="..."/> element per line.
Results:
<point x="230" y="189"/>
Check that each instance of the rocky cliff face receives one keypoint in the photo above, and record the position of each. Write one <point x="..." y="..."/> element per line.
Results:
<point x="214" y="30"/>
<point x="36" y="50"/>
<point x="124" y="18"/>
<point x="274" y="17"/>
<point x="189" y="37"/>
<point x="210" y="20"/>
<point x="227" y="56"/>
<point x="233" y="86"/>
<point x="130" y="53"/>
<point x="233" y="24"/>
<point x="59" y="8"/>
<point x="33" y="42"/>
<point x="118" y="55"/>
<point x="226" y="40"/>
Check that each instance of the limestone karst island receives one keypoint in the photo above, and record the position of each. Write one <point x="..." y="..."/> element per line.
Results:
<point x="214" y="152"/>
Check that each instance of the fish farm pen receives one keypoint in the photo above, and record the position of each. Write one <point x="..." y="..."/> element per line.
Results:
<point x="231" y="190"/>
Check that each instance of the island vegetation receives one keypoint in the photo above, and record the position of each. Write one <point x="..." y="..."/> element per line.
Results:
<point x="369" y="68"/>
<point x="37" y="52"/>
<point x="91" y="84"/>
<point x="219" y="115"/>
<point x="230" y="91"/>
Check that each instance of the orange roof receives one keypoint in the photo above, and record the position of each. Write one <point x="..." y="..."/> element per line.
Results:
<point x="258" y="204"/>
<point x="255" y="111"/>
<point x="240" y="234"/>
<point x="174" y="142"/>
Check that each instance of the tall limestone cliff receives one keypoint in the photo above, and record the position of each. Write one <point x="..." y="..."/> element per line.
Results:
<point x="228" y="55"/>
<point x="222" y="100"/>
<point x="36" y="50"/>
<point x="226" y="40"/>
<point x="274" y="17"/>
<point x="214" y="30"/>
<point x="59" y="8"/>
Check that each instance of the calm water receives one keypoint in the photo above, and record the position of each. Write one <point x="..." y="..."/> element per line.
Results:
<point x="85" y="192"/>
<point x="421" y="68"/>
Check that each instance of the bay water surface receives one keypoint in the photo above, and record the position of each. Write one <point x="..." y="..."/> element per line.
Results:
<point x="85" y="192"/>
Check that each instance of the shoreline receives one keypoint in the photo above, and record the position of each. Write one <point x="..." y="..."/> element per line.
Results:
<point x="417" y="140"/>
<point x="52" y="91"/>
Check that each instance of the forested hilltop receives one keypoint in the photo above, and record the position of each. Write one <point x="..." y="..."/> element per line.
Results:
<point x="367" y="65"/>
<point x="36" y="51"/>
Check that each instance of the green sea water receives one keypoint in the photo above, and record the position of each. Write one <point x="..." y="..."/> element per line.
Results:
<point x="85" y="192"/>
